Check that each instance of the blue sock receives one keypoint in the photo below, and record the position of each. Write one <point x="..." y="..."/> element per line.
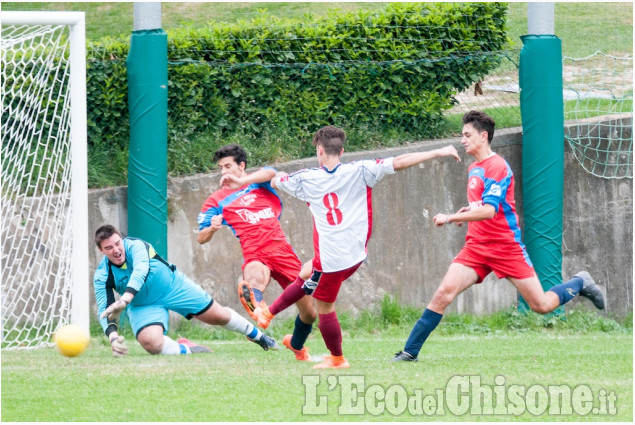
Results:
<point x="257" y="294"/>
<point x="426" y="324"/>
<point x="253" y="334"/>
<point x="568" y="290"/>
<point x="301" y="332"/>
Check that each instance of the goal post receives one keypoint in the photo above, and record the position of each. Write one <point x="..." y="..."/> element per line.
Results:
<point x="45" y="272"/>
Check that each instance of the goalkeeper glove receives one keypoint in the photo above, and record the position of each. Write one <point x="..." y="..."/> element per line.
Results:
<point x="114" y="310"/>
<point x="119" y="348"/>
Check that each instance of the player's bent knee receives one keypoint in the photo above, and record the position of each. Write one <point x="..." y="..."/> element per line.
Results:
<point x="308" y="317"/>
<point x="442" y="299"/>
<point x="151" y="345"/>
<point x="540" y="308"/>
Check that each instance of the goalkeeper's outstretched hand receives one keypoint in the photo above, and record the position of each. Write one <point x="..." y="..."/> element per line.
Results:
<point x="119" y="348"/>
<point x="114" y="310"/>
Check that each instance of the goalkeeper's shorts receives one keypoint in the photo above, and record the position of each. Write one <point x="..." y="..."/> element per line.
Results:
<point x="504" y="259"/>
<point x="184" y="297"/>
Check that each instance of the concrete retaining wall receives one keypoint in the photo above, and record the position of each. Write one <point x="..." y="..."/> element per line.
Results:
<point x="408" y="256"/>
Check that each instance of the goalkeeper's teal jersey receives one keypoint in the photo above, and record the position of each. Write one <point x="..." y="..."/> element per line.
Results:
<point x="145" y="274"/>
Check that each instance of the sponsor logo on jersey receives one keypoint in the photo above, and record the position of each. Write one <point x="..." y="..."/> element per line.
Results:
<point x="254" y="217"/>
<point x="495" y="190"/>
<point x="476" y="204"/>
<point x="248" y="199"/>
<point x="473" y="182"/>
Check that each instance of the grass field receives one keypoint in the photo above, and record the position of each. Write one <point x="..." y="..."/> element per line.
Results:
<point x="508" y="352"/>
<point x="240" y="382"/>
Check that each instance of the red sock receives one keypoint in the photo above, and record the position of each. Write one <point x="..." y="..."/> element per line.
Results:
<point x="291" y="295"/>
<point x="331" y="332"/>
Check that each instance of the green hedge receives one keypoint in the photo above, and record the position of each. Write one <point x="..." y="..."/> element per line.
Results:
<point x="386" y="76"/>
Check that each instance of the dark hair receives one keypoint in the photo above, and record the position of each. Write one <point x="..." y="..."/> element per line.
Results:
<point x="235" y="151"/>
<point x="481" y="122"/>
<point x="331" y="138"/>
<point x="103" y="233"/>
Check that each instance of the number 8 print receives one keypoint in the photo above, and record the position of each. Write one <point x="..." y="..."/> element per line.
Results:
<point x="334" y="214"/>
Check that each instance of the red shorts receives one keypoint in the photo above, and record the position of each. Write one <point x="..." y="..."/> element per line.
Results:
<point x="504" y="259"/>
<point x="330" y="283"/>
<point x="281" y="259"/>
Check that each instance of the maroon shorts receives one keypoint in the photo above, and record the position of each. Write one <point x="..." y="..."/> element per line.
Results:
<point x="330" y="283"/>
<point x="281" y="259"/>
<point x="504" y="259"/>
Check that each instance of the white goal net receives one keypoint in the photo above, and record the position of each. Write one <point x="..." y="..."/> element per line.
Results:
<point x="43" y="227"/>
<point x="599" y="106"/>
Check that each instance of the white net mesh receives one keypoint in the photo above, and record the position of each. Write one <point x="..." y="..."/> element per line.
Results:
<point x="598" y="99"/>
<point x="36" y="178"/>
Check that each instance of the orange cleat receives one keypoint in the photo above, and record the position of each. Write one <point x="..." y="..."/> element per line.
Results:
<point x="333" y="362"/>
<point x="302" y="355"/>
<point x="263" y="315"/>
<point x="247" y="299"/>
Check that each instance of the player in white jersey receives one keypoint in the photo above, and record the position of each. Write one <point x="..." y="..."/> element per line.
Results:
<point x="339" y="198"/>
<point x="340" y="202"/>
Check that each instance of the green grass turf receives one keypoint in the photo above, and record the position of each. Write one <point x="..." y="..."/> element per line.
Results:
<point x="240" y="382"/>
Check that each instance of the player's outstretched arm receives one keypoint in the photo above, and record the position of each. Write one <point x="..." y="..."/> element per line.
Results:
<point x="265" y="174"/>
<point x="276" y="179"/>
<point x="407" y="160"/>
<point x="465" y="214"/>
<point x="206" y="234"/>
<point x="113" y="311"/>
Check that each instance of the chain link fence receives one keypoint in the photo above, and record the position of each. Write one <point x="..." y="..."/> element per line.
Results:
<point x="406" y="78"/>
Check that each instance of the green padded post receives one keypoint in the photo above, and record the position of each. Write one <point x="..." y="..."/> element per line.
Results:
<point x="147" y="163"/>
<point x="541" y="107"/>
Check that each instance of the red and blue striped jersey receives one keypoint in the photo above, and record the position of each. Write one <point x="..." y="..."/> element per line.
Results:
<point x="491" y="181"/>
<point x="251" y="212"/>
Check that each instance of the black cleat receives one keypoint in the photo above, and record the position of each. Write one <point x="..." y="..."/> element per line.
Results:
<point x="402" y="356"/>
<point x="266" y="342"/>
<point x="590" y="290"/>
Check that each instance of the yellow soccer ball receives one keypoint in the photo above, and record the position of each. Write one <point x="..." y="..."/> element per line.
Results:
<point x="71" y="340"/>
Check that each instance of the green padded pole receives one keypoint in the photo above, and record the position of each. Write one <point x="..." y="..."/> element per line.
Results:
<point x="147" y="162"/>
<point x="541" y="107"/>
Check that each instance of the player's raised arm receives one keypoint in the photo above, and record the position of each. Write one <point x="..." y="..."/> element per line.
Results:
<point x="276" y="179"/>
<point x="407" y="160"/>
<point x="265" y="174"/>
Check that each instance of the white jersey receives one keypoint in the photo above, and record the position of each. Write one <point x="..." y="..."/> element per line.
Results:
<point x="341" y="204"/>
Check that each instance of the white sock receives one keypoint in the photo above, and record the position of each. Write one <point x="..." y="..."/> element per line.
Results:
<point x="239" y="324"/>
<point x="171" y="347"/>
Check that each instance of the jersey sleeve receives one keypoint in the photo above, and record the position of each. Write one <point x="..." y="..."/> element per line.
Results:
<point x="495" y="187"/>
<point x="138" y="252"/>
<point x="375" y="170"/>
<point x="292" y="184"/>
<point x="101" y="293"/>
<point x="209" y="210"/>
